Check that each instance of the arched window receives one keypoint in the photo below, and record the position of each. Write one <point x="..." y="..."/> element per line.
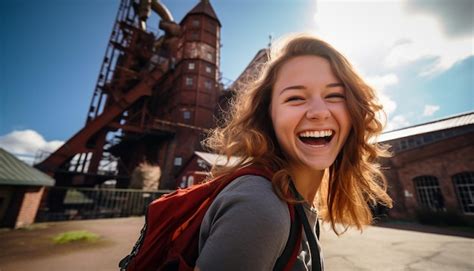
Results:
<point x="428" y="193"/>
<point x="464" y="186"/>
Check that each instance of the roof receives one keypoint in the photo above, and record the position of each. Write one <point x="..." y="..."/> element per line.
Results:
<point x="252" y="69"/>
<point x="216" y="159"/>
<point x="13" y="171"/>
<point x="204" y="7"/>
<point x="463" y="119"/>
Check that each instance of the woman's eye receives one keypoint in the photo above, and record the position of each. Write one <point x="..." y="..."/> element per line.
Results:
<point x="294" y="98"/>
<point x="336" y="97"/>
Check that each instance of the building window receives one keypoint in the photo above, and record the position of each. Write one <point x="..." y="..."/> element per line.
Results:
<point x="211" y="27"/>
<point x="194" y="35"/>
<point x="403" y="145"/>
<point x="183" y="182"/>
<point x="178" y="161"/>
<point x="208" y="69"/>
<point x="186" y="115"/>
<point x="428" y="193"/>
<point x="464" y="186"/>
<point x="195" y="22"/>
<point x="208" y="84"/>
<point x="202" y="164"/>
<point x="191" y="66"/>
<point x="427" y="138"/>
<point x="190" y="181"/>
<point x="209" y="56"/>
<point x="189" y="81"/>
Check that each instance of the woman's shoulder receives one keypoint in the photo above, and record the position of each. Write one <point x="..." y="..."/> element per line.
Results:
<point x="245" y="228"/>
<point x="251" y="197"/>
<point x="246" y="182"/>
<point x="254" y="190"/>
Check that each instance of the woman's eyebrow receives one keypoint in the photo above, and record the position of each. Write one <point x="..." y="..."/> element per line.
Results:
<point x="293" y="87"/>
<point x="331" y="85"/>
<point x="335" y="85"/>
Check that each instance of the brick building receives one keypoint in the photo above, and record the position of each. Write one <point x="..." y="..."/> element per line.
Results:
<point x="432" y="167"/>
<point x="21" y="189"/>
<point x="198" y="167"/>
<point x="190" y="92"/>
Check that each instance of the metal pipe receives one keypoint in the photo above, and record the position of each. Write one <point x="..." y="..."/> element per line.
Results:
<point x="161" y="10"/>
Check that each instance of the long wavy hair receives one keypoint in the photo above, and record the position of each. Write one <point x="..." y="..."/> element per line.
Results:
<point x="353" y="182"/>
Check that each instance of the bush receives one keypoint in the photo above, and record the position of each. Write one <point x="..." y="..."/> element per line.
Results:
<point x="73" y="236"/>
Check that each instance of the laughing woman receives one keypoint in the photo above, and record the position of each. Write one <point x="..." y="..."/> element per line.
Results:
<point x="311" y="120"/>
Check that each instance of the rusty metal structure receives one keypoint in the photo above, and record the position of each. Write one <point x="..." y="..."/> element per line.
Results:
<point x="155" y="98"/>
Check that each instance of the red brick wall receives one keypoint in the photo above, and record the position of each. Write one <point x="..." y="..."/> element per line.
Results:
<point x="29" y="206"/>
<point x="442" y="160"/>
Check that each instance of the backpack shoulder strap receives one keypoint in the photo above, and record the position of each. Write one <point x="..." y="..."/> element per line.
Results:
<point x="288" y="258"/>
<point x="313" y="245"/>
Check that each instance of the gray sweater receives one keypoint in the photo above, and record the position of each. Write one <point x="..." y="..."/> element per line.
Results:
<point x="247" y="227"/>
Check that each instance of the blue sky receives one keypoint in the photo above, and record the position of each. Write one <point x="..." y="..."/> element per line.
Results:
<point x="417" y="53"/>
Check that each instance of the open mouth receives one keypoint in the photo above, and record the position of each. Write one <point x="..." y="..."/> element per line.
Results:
<point x="316" y="138"/>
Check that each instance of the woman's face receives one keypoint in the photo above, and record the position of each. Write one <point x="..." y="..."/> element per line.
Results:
<point x="309" y="112"/>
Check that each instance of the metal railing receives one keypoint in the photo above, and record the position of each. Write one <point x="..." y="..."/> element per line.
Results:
<point x="72" y="203"/>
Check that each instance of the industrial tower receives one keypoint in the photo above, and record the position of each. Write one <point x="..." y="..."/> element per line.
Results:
<point x="155" y="98"/>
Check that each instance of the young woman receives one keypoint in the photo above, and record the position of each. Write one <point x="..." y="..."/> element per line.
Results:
<point x="311" y="120"/>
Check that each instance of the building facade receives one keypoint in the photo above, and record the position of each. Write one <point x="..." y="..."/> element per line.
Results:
<point x="21" y="189"/>
<point x="432" y="167"/>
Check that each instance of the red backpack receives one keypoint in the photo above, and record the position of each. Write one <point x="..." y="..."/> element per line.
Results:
<point x="169" y="239"/>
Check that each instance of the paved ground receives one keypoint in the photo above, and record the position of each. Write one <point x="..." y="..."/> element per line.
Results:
<point x="377" y="248"/>
<point x="393" y="249"/>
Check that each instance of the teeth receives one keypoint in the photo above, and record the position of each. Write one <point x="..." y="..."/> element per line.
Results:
<point x="322" y="133"/>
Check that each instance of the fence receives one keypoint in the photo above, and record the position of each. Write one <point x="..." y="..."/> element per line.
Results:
<point x="68" y="203"/>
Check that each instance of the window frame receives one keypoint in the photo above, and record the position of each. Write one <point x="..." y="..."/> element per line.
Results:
<point x="428" y="192"/>
<point x="463" y="184"/>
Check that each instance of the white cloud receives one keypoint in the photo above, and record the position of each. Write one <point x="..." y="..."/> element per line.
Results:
<point x="398" y="121"/>
<point x="31" y="147"/>
<point x="380" y="83"/>
<point x="370" y="32"/>
<point x="430" y="110"/>
<point x="27" y="143"/>
<point x="383" y="81"/>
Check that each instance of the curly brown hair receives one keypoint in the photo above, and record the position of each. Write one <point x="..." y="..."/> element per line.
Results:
<point x="354" y="181"/>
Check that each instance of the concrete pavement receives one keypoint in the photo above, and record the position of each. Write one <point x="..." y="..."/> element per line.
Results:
<point x="375" y="249"/>
<point x="391" y="249"/>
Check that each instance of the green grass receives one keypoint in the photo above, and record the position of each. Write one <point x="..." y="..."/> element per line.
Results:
<point x="75" y="236"/>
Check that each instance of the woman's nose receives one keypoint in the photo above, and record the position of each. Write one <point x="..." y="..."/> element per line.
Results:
<point x="318" y="110"/>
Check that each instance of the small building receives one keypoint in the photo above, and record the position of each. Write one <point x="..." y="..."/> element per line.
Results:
<point x="21" y="190"/>
<point x="432" y="167"/>
<point x="198" y="167"/>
